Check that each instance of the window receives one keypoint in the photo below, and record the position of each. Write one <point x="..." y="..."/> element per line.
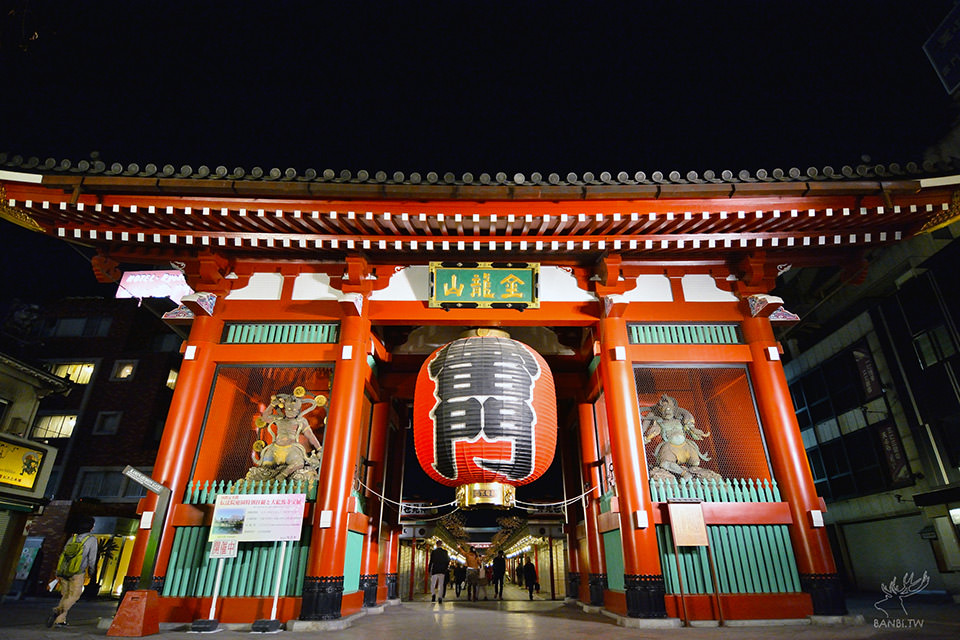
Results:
<point x="92" y="327"/>
<point x="166" y="343"/>
<point x="852" y="446"/>
<point x="124" y="370"/>
<point x="933" y="346"/>
<point x="107" y="483"/>
<point x="79" y="372"/>
<point x="172" y="379"/>
<point x="107" y="423"/>
<point x="54" y="426"/>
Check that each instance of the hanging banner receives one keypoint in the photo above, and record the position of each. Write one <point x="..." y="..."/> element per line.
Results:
<point x="894" y="454"/>
<point x="484" y="285"/>
<point x="869" y="378"/>
<point x="257" y="517"/>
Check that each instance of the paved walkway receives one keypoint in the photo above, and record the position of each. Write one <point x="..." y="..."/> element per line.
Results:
<point x="514" y="618"/>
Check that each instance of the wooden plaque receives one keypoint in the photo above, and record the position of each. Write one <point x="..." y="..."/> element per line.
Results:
<point x="687" y="524"/>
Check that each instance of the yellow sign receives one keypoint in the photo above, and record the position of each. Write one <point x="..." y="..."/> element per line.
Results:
<point x="19" y="465"/>
<point x="494" y="494"/>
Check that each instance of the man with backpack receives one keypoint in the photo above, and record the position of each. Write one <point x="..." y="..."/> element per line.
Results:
<point x="79" y="557"/>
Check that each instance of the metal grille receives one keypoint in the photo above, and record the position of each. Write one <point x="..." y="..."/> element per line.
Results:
<point x="280" y="333"/>
<point x="240" y="394"/>
<point x="720" y="400"/>
<point x="684" y="334"/>
<point x="403" y="569"/>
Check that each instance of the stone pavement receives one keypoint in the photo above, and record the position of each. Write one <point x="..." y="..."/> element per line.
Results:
<point x="515" y="618"/>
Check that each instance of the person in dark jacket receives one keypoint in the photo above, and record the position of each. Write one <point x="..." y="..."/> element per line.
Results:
<point x="499" y="571"/>
<point x="459" y="577"/>
<point x="530" y="576"/>
<point x="439" y="562"/>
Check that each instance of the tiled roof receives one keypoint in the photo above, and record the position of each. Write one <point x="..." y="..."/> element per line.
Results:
<point x="96" y="167"/>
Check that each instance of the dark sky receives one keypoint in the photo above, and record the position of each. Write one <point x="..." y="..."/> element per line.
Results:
<point x="461" y="86"/>
<point x="474" y="86"/>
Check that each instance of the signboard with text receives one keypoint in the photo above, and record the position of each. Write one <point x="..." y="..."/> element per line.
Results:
<point x="257" y="517"/>
<point x="484" y="285"/>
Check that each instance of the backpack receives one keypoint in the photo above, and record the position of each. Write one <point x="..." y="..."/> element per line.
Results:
<point x="71" y="558"/>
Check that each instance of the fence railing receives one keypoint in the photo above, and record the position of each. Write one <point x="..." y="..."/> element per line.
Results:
<point x="206" y="492"/>
<point x="725" y="490"/>
<point x="253" y="572"/>
<point x="749" y="558"/>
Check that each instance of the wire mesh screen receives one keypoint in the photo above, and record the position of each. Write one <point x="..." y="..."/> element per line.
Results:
<point x="700" y="417"/>
<point x="240" y="395"/>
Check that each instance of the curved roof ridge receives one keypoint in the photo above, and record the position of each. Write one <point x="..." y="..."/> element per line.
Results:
<point x="96" y="167"/>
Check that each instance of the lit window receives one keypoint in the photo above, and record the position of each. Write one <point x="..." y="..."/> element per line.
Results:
<point x="54" y="426"/>
<point x="124" y="370"/>
<point x="172" y="378"/>
<point x="79" y="372"/>
<point x="107" y="423"/>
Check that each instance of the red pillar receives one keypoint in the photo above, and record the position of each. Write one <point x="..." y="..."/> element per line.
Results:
<point x="323" y="584"/>
<point x="590" y="461"/>
<point x="572" y="487"/>
<point x="180" y="439"/>
<point x="369" y="578"/>
<point x="391" y="562"/>
<point x="643" y="577"/>
<point x="818" y="573"/>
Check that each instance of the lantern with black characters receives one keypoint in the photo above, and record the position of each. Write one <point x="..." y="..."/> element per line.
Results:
<point x="485" y="417"/>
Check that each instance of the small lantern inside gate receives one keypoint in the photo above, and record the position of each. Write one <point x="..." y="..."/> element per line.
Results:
<point x="485" y="417"/>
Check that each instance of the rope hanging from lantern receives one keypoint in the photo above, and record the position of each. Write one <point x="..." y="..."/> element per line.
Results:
<point x="563" y="503"/>
<point x="400" y="504"/>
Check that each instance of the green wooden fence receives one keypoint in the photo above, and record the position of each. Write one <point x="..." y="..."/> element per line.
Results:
<point x="253" y="573"/>
<point x="280" y="333"/>
<point x="684" y="334"/>
<point x="748" y="558"/>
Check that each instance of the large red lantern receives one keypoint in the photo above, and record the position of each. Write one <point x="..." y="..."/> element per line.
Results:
<point x="485" y="417"/>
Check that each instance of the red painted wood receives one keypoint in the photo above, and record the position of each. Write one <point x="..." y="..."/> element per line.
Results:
<point x="341" y="441"/>
<point x="641" y="554"/>
<point x="590" y="459"/>
<point x="735" y="513"/>
<point x="787" y="453"/>
<point x="743" y="606"/>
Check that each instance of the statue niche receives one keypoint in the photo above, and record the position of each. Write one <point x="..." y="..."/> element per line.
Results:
<point x="677" y="455"/>
<point x="284" y="423"/>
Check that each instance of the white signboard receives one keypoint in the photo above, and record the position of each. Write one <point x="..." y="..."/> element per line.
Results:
<point x="153" y="284"/>
<point x="223" y="549"/>
<point x="258" y="517"/>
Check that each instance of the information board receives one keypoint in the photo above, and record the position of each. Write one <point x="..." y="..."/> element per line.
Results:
<point x="258" y="517"/>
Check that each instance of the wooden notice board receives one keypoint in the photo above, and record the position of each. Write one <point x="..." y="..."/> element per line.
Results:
<point x="689" y="529"/>
<point x="687" y="523"/>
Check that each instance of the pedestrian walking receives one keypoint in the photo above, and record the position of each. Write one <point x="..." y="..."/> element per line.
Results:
<point x="459" y="578"/>
<point x="499" y="571"/>
<point x="530" y="576"/>
<point x="473" y="572"/>
<point x="439" y="561"/>
<point x="78" y="558"/>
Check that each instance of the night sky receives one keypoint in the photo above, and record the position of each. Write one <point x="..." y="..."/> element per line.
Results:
<point x="473" y="86"/>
